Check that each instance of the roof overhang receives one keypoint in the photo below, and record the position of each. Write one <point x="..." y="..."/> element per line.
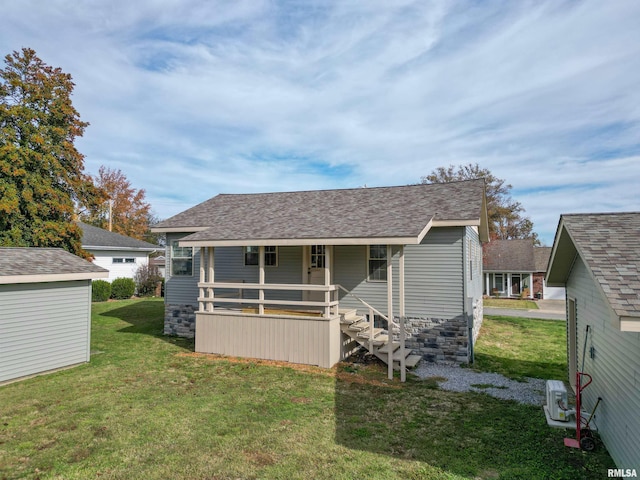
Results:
<point x="282" y="242"/>
<point x="563" y="256"/>
<point x="127" y="249"/>
<point x="52" y="277"/>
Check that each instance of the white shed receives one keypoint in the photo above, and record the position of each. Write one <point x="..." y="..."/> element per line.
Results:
<point x="45" y="310"/>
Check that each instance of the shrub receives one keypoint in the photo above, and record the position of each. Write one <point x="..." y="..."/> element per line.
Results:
<point x="147" y="278"/>
<point x="100" y="291"/>
<point x="122" y="288"/>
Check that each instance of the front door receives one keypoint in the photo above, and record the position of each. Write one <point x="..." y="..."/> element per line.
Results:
<point x="315" y="273"/>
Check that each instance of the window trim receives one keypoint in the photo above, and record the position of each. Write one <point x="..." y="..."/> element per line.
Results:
<point x="123" y="260"/>
<point x="369" y="259"/>
<point x="275" y="253"/>
<point x="173" y="257"/>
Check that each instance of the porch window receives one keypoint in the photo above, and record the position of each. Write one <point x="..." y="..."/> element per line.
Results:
<point x="252" y="256"/>
<point x="181" y="260"/>
<point x="377" y="262"/>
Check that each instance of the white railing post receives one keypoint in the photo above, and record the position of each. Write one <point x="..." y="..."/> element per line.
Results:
<point x="261" y="280"/>
<point x="202" y="279"/>
<point x="327" y="280"/>
<point x="390" y="310"/>
<point x="403" y="360"/>
<point x="210" y="279"/>
<point x="371" y="325"/>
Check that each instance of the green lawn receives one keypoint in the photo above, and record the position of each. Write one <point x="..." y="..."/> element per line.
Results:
<point x="510" y="303"/>
<point x="523" y="347"/>
<point x="146" y="408"/>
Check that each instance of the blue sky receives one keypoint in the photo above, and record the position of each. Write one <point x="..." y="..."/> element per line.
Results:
<point x="194" y="98"/>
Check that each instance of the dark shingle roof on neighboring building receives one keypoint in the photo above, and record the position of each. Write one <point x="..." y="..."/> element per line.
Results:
<point x="94" y="237"/>
<point x="382" y="212"/>
<point x="509" y="256"/>
<point x="26" y="265"/>
<point x="541" y="258"/>
<point x="609" y="244"/>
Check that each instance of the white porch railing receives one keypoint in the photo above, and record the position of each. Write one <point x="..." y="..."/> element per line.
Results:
<point x="207" y="298"/>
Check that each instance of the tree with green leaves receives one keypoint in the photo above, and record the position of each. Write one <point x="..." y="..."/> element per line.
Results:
<point x="41" y="172"/>
<point x="506" y="220"/>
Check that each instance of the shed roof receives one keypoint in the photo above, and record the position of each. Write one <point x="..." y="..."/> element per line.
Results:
<point x="609" y="245"/>
<point x="99" y="238"/>
<point x="31" y="265"/>
<point x="385" y="214"/>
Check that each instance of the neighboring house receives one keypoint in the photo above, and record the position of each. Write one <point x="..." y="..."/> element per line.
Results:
<point x="516" y="268"/>
<point x="239" y="266"/>
<point x="159" y="263"/>
<point x="119" y="254"/>
<point x="45" y="310"/>
<point x="597" y="258"/>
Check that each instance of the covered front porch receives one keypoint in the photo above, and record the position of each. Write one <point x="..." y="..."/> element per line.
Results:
<point x="297" y="322"/>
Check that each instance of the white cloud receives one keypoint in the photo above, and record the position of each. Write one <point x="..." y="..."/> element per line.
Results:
<point x="194" y="98"/>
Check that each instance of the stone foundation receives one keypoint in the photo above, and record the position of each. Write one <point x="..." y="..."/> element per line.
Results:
<point x="180" y="320"/>
<point x="438" y="339"/>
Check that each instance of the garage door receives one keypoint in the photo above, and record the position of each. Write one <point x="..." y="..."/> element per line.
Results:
<point x="43" y="326"/>
<point x="553" y="293"/>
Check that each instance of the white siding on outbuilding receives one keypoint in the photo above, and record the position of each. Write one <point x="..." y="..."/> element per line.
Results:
<point x="613" y="360"/>
<point x="43" y="326"/>
<point x="127" y="267"/>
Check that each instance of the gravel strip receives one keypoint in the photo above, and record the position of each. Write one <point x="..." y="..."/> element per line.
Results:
<point x="461" y="380"/>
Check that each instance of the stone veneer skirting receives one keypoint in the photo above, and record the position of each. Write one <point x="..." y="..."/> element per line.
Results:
<point x="438" y="339"/>
<point x="180" y="320"/>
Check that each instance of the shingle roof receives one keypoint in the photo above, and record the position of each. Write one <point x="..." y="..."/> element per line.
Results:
<point x="93" y="237"/>
<point x="509" y="256"/>
<point x="22" y="265"/>
<point x="609" y="244"/>
<point x="541" y="256"/>
<point x="382" y="212"/>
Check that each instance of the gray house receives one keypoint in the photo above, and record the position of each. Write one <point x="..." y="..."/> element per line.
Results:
<point x="306" y="276"/>
<point x="45" y="305"/>
<point x="597" y="258"/>
<point x="119" y="254"/>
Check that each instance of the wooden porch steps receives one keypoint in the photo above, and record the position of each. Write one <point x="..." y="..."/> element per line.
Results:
<point x="357" y="328"/>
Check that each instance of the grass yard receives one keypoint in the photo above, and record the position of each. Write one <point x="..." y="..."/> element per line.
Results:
<point x="522" y="347"/>
<point x="148" y="408"/>
<point x="510" y="303"/>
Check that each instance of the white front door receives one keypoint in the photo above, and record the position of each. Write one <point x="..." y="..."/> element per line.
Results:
<point x="316" y="271"/>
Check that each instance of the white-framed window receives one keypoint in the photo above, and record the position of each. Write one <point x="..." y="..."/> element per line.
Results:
<point x="181" y="260"/>
<point x="123" y="260"/>
<point x="318" y="256"/>
<point x="252" y="256"/>
<point x="377" y="263"/>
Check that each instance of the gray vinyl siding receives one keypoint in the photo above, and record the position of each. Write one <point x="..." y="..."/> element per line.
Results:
<point x="43" y="326"/>
<point x="181" y="290"/>
<point x="229" y="266"/>
<point x="433" y="276"/>
<point x="615" y="368"/>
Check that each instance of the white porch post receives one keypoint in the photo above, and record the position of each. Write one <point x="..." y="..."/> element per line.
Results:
<point x="390" y="309"/>
<point x="202" y="279"/>
<point x="403" y="367"/>
<point x="261" y="279"/>
<point x="327" y="279"/>
<point x="486" y="282"/>
<point x="210" y="277"/>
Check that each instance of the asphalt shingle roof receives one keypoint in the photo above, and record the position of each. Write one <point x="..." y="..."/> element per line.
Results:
<point x="609" y="244"/>
<point x="349" y="213"/>
<point x="18" y="261"/>
<point x="509" y="256"/>
<point x="99" y="237"/>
